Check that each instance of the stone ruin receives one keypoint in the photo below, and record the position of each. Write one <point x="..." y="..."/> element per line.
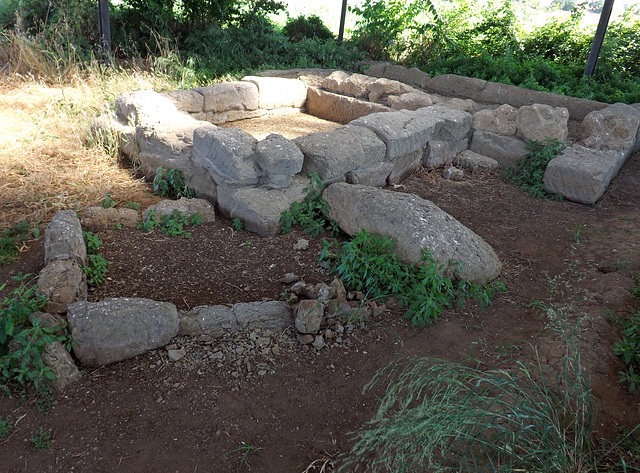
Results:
<point x="393" y="120"/>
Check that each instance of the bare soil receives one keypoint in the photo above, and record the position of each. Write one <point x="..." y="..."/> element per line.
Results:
<point x="151" y="414"/>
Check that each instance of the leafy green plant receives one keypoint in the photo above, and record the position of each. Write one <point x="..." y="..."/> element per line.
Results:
<point x="169" y="182"/>
<point x="441" y="416"/>
<point x="628" y="350"/>
<point x="150" y="221"/>
<point x="41" y="439"/>
<point x="367" y="263"/>
<point x="310" y="214"/>
<point x="171" y="225"/>
<point x="92" y="241"/>
<point x="133" y="205"/>
<point x="306" y="27"/>
<point x="237" y="224"/>
<point x="246" y="451"/>
<point x="95" y="270"/>
<point x="530" y="177"/>
<point x="5" y="427"/>
<point x="22" y="343"/>
<point x="12" y="239"/>
<point x="108" y="201"/>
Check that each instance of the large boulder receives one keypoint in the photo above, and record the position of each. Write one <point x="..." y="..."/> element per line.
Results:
<point x="62" y="282"/>
<point x="241" y="96"/>
<point x="416" y="224"/>
<point x="582" y="174"/>
<point x="279" y="159"/>
<point x="506" y="150"/>
<point x="334" y="153"/>
<point x="116" y="329"/>
<point x="339" y="108"/>
<point x="100" y="218"/>
<point x="539" y="122"/>
<point x="382" y="88"/>
<point x="502" y="121"/>
<point x="613" y="128"/>
<point x="145" y="108"/>
<point x="63" y="238"/>
<point x="187" y="101"/>
<point x="277" y="92"/>
<point x="228" y="154"/>
<point x="353" y="85"/>
<point x="409" y="101"/>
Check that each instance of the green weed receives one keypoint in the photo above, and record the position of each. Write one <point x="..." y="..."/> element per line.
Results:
<point x="628" y="350"/>
<point x="12" y="239"/>
<point x="92" y="241"/>
<point x="246" y="451"/>
<point x="45" y="399"/>
<point x="237" y="224"/>
<point x="5" y="427"/>
<point x="170" y="225"/>
<point x="170" y="183"/>
<point x="41" y="439"/>
<point x="132" y="205"/>
<point x="367" y="263"/>
<point x="533" y="166"/>
<point x="108" y="201"/>
<point x="95" y="270"/>
<point x="311" y="214"/>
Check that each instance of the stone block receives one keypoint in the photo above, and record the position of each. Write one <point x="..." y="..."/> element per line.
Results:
<point x="310" y="316"/>
<point x="465" y="105"/>
<point x="474" y="161"/>
<point x="230" y="96"/>
<point x="380" y="89"/>
<point x="614" y="128"/>
<point x="99" y="218"/>
<point x="506" y="150"/>
<point x="375" y="176"/>
<point x="452" y="85"/>
<point x="410" y="101"/>
<point x="540" y="122"/>
<point x="582" y="174"/>
<point x="279" y="159"/>
<point x="188" y="101"/>
<point x="186" y="208"/>
<point x="62" y="282"/>
<point x="63" y="239"/>
<point x="334" y="153"/>
<point x="278" y="92"/>
<point x="377" y="70"/>
<point x="228" y="154"/>
<point x="453" y="124"/>
<point x="413" y="76"/>
<point x="441" y="153"/>
<point x="145" y="108"/>
<point x="233" y="115"/>
<point x="58" y="359"/>
<point x="502" y="121"/>
<point x="338" y="108"/>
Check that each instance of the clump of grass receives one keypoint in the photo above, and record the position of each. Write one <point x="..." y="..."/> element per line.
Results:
<point x="628" y="350"/>
<point x="96" y="267"/>
<point x="41" y="439"/>
<point x="441" y="416"/>
<point x="367" y="263"/>
<point x="530" y="176"/>
<point x="12" y="239"/>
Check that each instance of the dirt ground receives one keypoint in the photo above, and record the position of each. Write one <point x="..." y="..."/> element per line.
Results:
<point x="151" y="414"/>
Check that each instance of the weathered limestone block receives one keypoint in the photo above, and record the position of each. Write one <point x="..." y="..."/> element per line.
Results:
<point x="279" y="159"/>
<point x="582" y="174"/>
<point x="233" y="115"/>
<point x="502" y="121"/>
<point x="334" y="153"/>
<point x="310" y="315"/>
<point x="116" y="329"/>
<point x="277" y="92"/>
<point x="416" y="224"/>
<point x="377" y="70"/>
<point x="260" y="208"/>
<point x="339" y="108"/>
<point x="353" y="85"/>
<point x="452" y="85"/>
<point x="145" y="108"/>
<point x="539" y="122"/>
<point x="228" y="154"/>
<point x="506" y="150"/>
<point x="413" y="76"/>
<point x="227" y="96"/>
<point x="61" y="364"/>
<point x="441" y="153"/>
<point x="186" y="208"/>
<point x="375" y="176"/>
<point x="380" y="89"/>
<point x="405" y="134"/>
<point x="410" y="101"/>
<point x="108" y="130"/>
<point x="614" y="127"/>
<point x="271" y="315"/>
<point x="465" y="105"/>
<point x="474" y="161"/>
<point x="335" y="82"/>
<point x="63" y="238"/>
<point x="188" y="101"/>
<point x="62" y="282"/>
<point x="99" y="218"/>
<point x="453" y="125"/>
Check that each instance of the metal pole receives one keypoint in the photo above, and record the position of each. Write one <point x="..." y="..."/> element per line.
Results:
<point x="599" y="37"/>
<point x="105" y="31"/>
<point x="342" y="18"/>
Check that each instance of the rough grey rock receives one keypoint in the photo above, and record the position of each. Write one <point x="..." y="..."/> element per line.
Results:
<point x="506" y="150"/>
<point x="381" y="88"/>
<point x="279" y="159"/>
<point x="270" y="315"/>
<point x="62" y="282"/>
<point x="353" y="85"/>
<point x="334" y="153"/>
<point x="99" y="218"/>
<point x="339" y="108"/>
<point x="228" y="154"/>
<point x="109" y="130"/>
<point x="186" y="208"/>
<point x="410" y="101"/>
<point x="116" y="329"/>
<point x="278" y="92"/>
<point x="441" y="153"/>
<point x="189" y="101"/>
<point x="335" y="82"/>
<point x="227" y="96"/>
<point x="177" y="355"/>
<point x="502" y="121"/>
<point x="63" y="238"/>
<point x="582" y="174"/>
<point x="301" y="245"/>
<point x="416" y="224"/>
<point x="474" y="161"/>
<point x="310" y="315"/>
<point x="58" y="359"/>
<point x="453" y="173"/>
<point x="464" y="105"/>
<point x="145" y="108"/>
<point x="454" y="124"/>
<point x="539" y="122"/>
<point x="260" y="208"/>
<point x="373" y="176"/>
<point x="412" y="76"/>
<point x="614" y="128"/>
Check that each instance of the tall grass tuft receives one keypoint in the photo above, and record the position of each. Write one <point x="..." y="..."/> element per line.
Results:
<point x="443" y="416"/>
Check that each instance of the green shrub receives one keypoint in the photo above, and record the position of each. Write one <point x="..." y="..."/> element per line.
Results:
<point x="237" y="224"/>
<point x="41" y="439"/>
<point x="628" y="350"/>
<point x="92" y="242"/>
<point x="108" y="201"/>
<point x="170" y="183"/>
<point x="12" y="239"/>
<point x="310" y="215"/>
<point x="303" y="27"/>
<point x="95" y="270"/>
<point x="530" y="176"/>
<point x="170" y="225"/>
<point x="367" y="263"/>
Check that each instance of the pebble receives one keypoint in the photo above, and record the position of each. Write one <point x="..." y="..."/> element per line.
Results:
<point x="301" y="245"/>
<point x="318" y="342"/>
<point x="306" y="338"/>
<point x="176" y="355"/>
<point x="289" y="278"/>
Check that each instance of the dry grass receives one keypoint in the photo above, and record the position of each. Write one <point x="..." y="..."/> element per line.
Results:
<point x="47" y="160"/>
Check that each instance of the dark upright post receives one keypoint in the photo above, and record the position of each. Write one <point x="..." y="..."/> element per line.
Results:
<point x="342" y="17"/>
<point x="105" y="31"/>
<point x="599" y="37"/>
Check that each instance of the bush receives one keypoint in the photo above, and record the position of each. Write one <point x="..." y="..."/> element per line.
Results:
<point x="628" y="350"/>
<point x="302" y="27"/>
<point x="533" y="166"/>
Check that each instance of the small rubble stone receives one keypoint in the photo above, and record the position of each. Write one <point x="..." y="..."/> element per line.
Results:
<point x="453" y="174"/>
<point x="306" y="338"/>
<point x="289" y="278"/>
<point x="301" y="245"/>
<point x="98" y="218"/>
<point x="176" y="355"/>
<point x="310" y="315"/>
<point x="318" y="342"/>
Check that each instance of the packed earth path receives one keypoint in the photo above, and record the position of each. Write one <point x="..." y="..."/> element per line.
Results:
<point x="261" y="401"/>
